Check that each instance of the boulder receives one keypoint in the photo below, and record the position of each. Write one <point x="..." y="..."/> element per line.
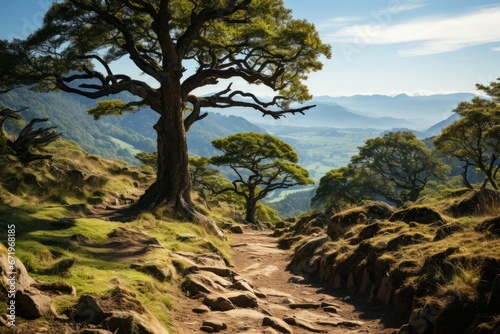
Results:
<point x="237" y="229"/>
<point x="89" y="310"/>
<point x="447" y="230"/>
<point x="194" y="284"/>
<point x="419" y="214"/>
<point x="161" y="274"/>
<point x="277" y="324"/>
<point x="22" y="280"/>
<point x="491" y="225"/>
<point x="476" y="202"/>
<point x="215" y="324"/>
<point x="124" y="322"/>
<point x="33" y="305"/>
<point x="218" y="303"/>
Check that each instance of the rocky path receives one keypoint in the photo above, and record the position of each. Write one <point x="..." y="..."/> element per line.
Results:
<point x="260" y="296"/>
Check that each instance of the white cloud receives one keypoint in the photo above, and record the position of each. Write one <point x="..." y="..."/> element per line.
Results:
<point x="496" y="49"/>
<point x="428" y="35"/>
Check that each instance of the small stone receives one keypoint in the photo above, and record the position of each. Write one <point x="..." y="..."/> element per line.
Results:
<point x="237" y="229"/>
<point x="201" y="309"/>
<point x="304" y="306"/>
<point x="215" y="324"/>
<point x="207" y="329"/>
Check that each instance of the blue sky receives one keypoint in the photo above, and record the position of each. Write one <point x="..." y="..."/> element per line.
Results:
<point x="379" y="46"/>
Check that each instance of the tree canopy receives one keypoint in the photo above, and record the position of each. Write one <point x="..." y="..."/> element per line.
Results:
<point x="261" y="163"/>
<point x="474" y="139"/>
<point x="395" y="167"/>
<point x="255" y="41"/>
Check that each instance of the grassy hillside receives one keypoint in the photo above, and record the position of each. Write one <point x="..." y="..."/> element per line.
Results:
<point x="436" y="264"/>
<point x="69" y="245"/>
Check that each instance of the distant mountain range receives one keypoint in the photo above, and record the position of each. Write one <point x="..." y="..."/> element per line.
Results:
<point x="367" y="111"/>
<point x="123" y="136"/>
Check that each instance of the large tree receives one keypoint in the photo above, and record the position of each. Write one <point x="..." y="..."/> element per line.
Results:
<point x="398" y="166"/>
<point x="474" y="139"/>
<point x="261" y="163"/>
<point x="254" y="41"/>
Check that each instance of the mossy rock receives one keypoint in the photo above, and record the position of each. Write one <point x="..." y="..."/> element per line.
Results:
<point x="419" y="214"/>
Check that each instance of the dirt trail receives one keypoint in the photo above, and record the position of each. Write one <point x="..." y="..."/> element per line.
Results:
<point x="256" y="257"/>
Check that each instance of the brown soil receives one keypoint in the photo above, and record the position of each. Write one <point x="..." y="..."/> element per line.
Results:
<point x="256" y="256"/>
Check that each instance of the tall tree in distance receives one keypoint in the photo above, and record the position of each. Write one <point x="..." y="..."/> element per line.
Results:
<point x="398" y="166"/>
<point x="256" y="41"/>
<point x="474" y="139"/>
<point x="261" y="163"/>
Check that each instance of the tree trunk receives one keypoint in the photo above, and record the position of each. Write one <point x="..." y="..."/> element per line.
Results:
<point x="250" y="211"/>
<point x="173" y="184"/>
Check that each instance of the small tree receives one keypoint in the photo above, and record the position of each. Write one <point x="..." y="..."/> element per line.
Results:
<point x="339" y="188"/>
<point x="475" y="138"/>
<point x="261" y="163"/>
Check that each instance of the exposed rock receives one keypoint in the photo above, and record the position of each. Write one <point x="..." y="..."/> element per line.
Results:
<point x="22" y="280"/>
<point x="61" y="288"/>
<point x="447" y="230"/>
<point x="491" y="225"/>
<point x="330" y="309"/>
<point x="243" y="286"/>
<point x="475" y="203"/>
<point x="161" y="274"/>
<point x="32" y="305"/>
<point x="280" y="225"/>
<point x="404" y="240"/>
<point x="303" y="323"/>
<point x="206" y="259"/>
<point x="218" y="303"/>
<point x="242" y="299"/>
<point x="305" y="306"/>
<point x="201" y="309"/>
<point x="366" y="233"/>
<point x="89" y="310"/>
<point x="219" y="271"/>
<point x="304" y="258"/>
<point x="277" y="324"/>
<point x="215" y="324"/>
<point x="237" y="229"/>
<point x="62" y="265"/>
<point x="132" y="323"/>
<point x="419" y="214"/>
<point x="207" y="329"/>
<point x="195" y="284"/>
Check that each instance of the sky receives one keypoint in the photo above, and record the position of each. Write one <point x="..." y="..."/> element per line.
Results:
<point x="417" y="47"/>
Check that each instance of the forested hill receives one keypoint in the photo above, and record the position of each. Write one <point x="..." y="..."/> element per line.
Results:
<point x="118" y="137"/>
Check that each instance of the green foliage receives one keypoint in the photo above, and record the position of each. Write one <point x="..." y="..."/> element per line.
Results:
<point x="473" y="139"/>
<point x="261" y="163"/>
<point x="396" y="167"/>
<point x="109" y="107"/>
